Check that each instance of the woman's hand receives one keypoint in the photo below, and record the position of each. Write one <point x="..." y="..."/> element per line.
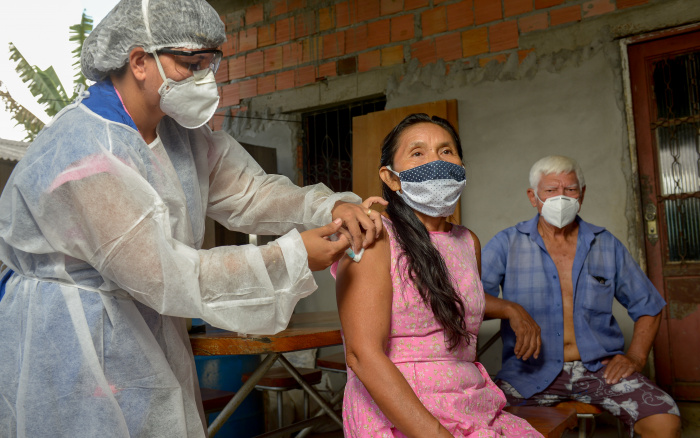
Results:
<point x="361" y="224"/>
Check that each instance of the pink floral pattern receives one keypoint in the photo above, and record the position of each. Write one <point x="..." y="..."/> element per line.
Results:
<point x="454" y="388"/>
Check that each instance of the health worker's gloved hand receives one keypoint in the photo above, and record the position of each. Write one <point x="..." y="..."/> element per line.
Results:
<point x="321" y="249"/>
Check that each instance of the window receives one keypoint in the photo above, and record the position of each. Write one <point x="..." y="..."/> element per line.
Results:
<point x="327" y="147"/>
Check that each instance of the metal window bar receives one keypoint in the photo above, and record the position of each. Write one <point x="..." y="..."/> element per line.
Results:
<point x="677" y="132"/>
<point x="327" y="146"/>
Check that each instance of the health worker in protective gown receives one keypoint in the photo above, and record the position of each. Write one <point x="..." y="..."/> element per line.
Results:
<point x="101" y="226"/>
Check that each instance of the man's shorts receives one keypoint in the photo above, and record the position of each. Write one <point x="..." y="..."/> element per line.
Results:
<point x="630" y="399"/>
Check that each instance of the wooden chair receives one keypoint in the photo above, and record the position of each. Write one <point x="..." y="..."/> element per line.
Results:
<point x="333" y="363"/>
<point x="584" y="411"/>
<point x="551" y="422"/>
<point x="279" y="380"/>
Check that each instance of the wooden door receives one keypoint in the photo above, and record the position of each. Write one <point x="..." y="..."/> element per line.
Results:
<point x="664" y="77"/>
<point x="369" y="131"/>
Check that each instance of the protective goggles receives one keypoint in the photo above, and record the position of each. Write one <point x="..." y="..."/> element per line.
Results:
<point x="196" y="60"/>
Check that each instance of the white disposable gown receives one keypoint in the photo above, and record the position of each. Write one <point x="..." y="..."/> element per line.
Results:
<point x="104" y="233"/>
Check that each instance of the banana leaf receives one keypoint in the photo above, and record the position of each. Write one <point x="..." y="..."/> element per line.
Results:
<point x="31" y="123"/>
<point x="79" y="32"/>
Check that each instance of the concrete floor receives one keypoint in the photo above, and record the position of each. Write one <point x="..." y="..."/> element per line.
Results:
<point x="606" y="426"/>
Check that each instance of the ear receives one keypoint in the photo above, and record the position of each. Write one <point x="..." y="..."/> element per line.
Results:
<point x="390" y="179"/>
<point x="531" y="196"/>
<point x="137" y="63"/>
<point x="580" y="198"/>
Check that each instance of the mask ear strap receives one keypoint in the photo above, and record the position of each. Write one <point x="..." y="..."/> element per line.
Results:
<point x="160" y="69"/>
<point x="537" y="197"/>
<point x="397" y="175"/>
<point x="147" y="25"/>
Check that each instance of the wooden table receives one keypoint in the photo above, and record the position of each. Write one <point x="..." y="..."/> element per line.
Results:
<point x="549" y="421"/>
<point x="305" y="331"/>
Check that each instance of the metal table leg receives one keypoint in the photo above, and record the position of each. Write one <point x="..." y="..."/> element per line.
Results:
<point x="242" y="393"/>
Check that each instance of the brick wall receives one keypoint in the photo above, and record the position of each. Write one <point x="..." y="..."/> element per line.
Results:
<point x="281" y="44"/>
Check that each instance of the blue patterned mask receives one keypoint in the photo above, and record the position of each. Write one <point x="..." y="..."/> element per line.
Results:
<point x="432" y="188"/>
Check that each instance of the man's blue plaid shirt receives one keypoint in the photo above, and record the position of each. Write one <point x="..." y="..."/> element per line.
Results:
<point x="517" y="261"/>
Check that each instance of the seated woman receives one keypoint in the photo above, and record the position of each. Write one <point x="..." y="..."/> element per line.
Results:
<point x="411" y="308"/>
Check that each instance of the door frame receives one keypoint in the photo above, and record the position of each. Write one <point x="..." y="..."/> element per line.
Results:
<point x="650" y="259"/>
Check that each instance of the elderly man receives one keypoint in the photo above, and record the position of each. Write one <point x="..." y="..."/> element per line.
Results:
<point x="564" y="272"/>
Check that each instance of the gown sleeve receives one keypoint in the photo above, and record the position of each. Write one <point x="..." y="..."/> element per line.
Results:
<point x="243" y="197"/>
<point x="104" y="212"/>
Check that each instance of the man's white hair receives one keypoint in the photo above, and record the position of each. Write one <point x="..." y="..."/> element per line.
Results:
<point x="555" y="164"/>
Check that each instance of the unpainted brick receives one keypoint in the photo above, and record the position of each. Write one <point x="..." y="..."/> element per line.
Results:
<point x="388" y="7"/>
<point x="236" y="67"/>
<point x="486" y="11"/>
<point x="266" y="84"/>
<point x="266" y="35"/>
<point x="284" y="80"/>
<point x="402" y="28"/>
<point x="503" y="36"/>
<point x="533" y="22"/>
<point x="378" y="33"/>
<point x="391" y="55"/>
<point x="542" y="4"/>
<point x="368" y="60"/>
<point x="433" y="20"/>
<point x="253" y="14"/>
<point x="254" y="63"/>
<point x="304" y="76"/>
<point x="449" y="47"/>
<point x="460" y="14"/>
<point x="565" y="15"/>
<point x="475" y="42"/>
<point x="516" y="7"/>
<point x="347" y="66"/>
<point x="424" y="51"/>
<point x="597" y="7"/>
<point x="356" y="39"/>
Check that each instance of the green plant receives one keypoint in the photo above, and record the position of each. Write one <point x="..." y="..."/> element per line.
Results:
<point x="44" y="84"/>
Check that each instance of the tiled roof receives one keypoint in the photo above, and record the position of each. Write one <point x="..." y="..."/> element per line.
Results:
<point x="12" y="150"/>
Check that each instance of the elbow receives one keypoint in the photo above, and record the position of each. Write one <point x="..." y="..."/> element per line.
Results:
<point x="361" y="360"/>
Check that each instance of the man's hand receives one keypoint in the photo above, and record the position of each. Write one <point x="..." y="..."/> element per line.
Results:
<point x="322" y="252"/>
<point x="527" y="332"/>
<point x="621" y="367"/>
<point x="361" y="225"/>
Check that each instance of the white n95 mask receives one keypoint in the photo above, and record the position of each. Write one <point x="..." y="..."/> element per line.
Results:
<point x="191" y="102"/>
<point x="560" y="211"/>
<point x="432" y="188"/>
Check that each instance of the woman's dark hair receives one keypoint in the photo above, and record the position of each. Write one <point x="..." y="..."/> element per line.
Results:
<point x="426" y="267"/>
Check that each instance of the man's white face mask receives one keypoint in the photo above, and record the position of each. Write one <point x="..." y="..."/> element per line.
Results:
<point x="190" y="102"/>
<point x="559" y="211"/>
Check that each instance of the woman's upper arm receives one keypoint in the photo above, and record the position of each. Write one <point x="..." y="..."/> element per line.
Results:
<point x="364" y="293"/>
<point x="477" y="250"/>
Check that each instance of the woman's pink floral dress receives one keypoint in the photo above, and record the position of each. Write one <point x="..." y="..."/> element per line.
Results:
<point x="454" y="388"/>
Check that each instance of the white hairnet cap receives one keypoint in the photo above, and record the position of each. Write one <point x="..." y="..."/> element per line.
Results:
<point x="191" y="24"/>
